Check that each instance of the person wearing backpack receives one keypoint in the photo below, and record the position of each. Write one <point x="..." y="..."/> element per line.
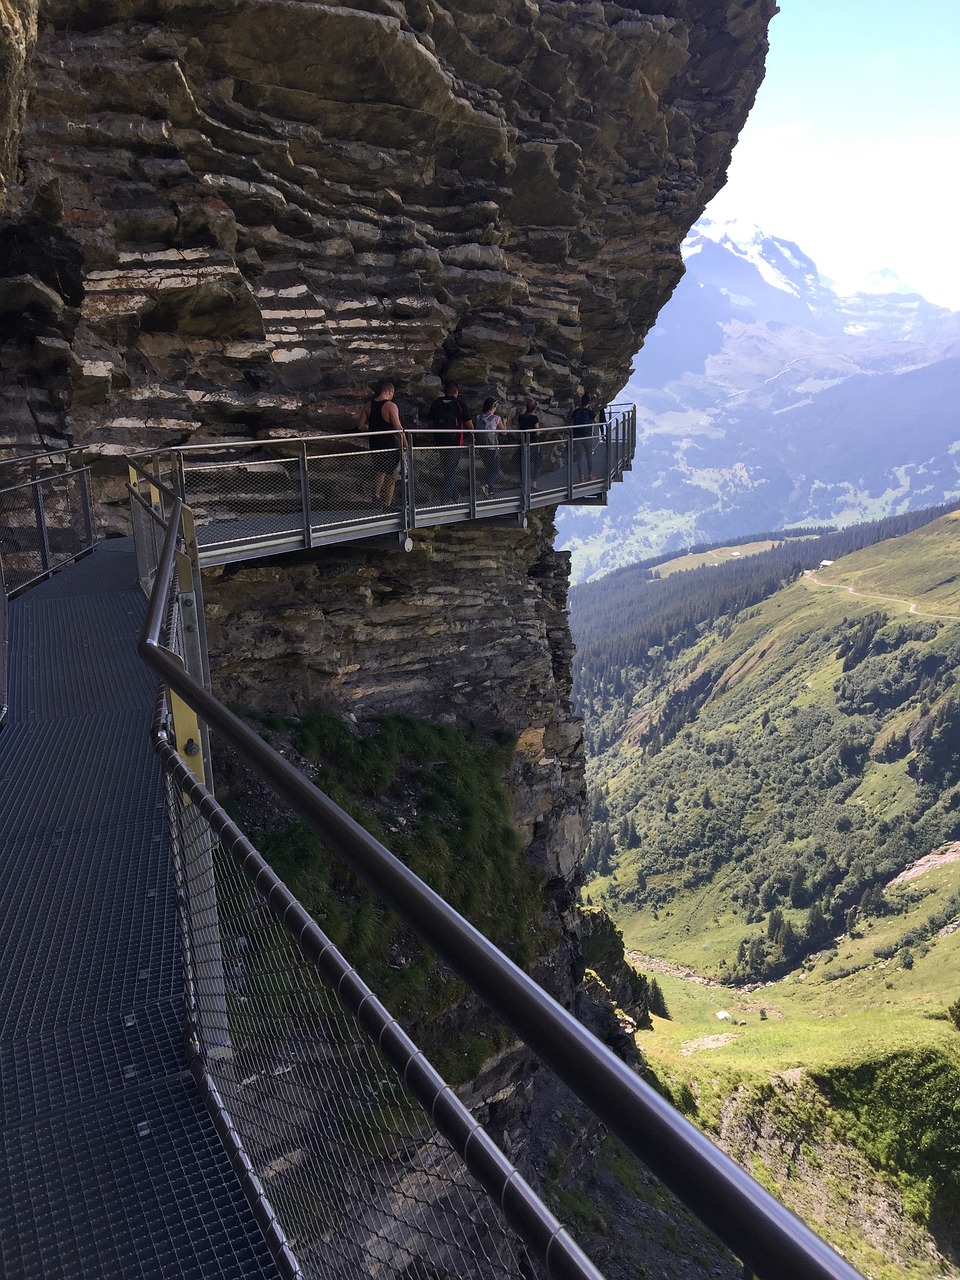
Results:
<point x="489" y="426"/>
<point x="450" y="419"/>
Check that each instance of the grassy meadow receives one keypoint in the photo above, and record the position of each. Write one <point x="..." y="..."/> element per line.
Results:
<point x="768" y="787"/>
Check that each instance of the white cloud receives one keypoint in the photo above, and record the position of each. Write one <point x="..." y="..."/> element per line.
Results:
<point x="854" y="205"/>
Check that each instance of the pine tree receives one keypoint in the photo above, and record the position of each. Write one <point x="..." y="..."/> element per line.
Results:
<point x="816" y="927"/>
<point x="655" y="1001"/>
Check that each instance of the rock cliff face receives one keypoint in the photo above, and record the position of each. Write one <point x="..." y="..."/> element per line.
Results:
<point x="468" y="629"/>
<point x="237" y="212"/>
<point x="224" y="218"/>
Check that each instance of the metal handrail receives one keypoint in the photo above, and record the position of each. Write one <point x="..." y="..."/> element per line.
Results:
<point x="12" y="586"/>
<point x="322" y="500"/>
<point x="771" y="1240"/>
<point x="521" y="1206"/>
<point x="88" y="539"/>
<point x="20" y="459"/>
<point x="150" y="478"/>
<point x="523" y="1209"/>
<point x="330" y="437"/>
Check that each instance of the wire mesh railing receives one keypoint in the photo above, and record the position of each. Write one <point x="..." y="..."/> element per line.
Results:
<point x="258" y="498"/>
<point x="306" y="1070"/>
<point x="46" y="519"/>
<point x="46" y="523"/>
<point x="356" y="1156"/>
<point x="267" y="1090"/>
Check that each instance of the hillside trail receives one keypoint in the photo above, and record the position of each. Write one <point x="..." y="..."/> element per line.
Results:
<point x="811" y="575"/>
<point x="938" y="858"/>
<point x="653" y="964"/>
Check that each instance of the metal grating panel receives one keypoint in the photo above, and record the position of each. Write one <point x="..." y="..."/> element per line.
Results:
<point x="109" y="1163"/>
<point x="109" y="568"/>
<point x="53" y="1070"/>
<point x="133" y="1185"/>
<point x="88" y="773"/>
<point x="83" y="930"/>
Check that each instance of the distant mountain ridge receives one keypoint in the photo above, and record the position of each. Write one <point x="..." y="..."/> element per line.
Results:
<point x="765" y="400"/>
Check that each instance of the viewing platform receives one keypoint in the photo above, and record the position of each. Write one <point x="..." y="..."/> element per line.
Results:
<point x="262" y="498"/>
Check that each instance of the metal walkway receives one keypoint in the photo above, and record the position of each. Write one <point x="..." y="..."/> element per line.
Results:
<point x="115" y="1158"/>
<point x="110" y="1165"/>
<point x="261" y="498"/>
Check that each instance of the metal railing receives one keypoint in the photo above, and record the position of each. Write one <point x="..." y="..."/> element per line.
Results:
<point x="257" y="498"/>
<point x="46" y="523"/>
<point x="770" y="1240"/>
<point x="356" y="1156"/>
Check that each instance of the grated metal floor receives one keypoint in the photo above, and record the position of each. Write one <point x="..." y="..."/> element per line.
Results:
<point x="109" y="1163"/>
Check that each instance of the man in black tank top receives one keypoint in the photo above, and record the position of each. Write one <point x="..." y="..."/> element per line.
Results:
<point x="380" y="419"/>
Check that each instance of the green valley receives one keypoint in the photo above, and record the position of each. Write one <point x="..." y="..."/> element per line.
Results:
<point x="776" y="831"/>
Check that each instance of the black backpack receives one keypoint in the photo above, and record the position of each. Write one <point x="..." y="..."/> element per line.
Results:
<point x="446" y="419"/>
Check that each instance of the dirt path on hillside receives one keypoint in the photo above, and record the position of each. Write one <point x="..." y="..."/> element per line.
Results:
<point x="811" y="576"/>
<point x="706" y="1042"/>
<point x="946" y="853"/>
<point x="654" y="964"/>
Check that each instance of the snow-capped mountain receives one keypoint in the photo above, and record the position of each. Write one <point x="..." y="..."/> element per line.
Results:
<point x="766" y="399"/>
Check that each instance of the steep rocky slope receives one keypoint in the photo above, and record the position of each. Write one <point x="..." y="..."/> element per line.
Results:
<point x="463" y="631"/>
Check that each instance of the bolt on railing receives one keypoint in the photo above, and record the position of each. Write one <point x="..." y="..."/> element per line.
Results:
<point x="773" y="1243"/>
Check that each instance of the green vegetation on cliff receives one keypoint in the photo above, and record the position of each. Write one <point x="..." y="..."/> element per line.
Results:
<point x="785" y="763"/>
<point x="438" y="802"/>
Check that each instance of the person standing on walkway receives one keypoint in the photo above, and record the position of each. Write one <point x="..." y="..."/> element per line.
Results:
<point x="450" y="418"/>
<point x="490" y="427"/>
<point x="529" y="421"/>
<point x="584" y="419"/>
<point x="380" y="419"/>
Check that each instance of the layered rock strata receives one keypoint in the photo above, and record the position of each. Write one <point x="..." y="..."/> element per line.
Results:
<point x="223" y="218"/>
<point x="272" y="202"/>
<point x="468" y="629"/>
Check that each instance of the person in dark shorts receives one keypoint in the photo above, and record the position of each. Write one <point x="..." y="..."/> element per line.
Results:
<point x="584" y="419"/>
<point x="380" y="419"/>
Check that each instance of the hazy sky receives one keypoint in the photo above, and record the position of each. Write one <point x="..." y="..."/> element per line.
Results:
<point x="853" y="147"/>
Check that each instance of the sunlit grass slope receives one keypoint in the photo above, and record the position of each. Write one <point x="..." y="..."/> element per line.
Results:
<point x="923" y="567"/>
<point x="798" y="776"/>
<point x="850" y="1064"/>
<point x="751" y="823"/>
